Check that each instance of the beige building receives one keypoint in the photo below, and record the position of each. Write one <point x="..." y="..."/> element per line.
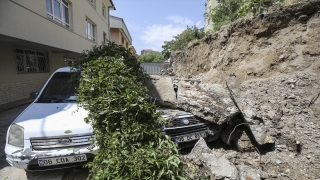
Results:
<point x="120" y="35"/>
<point x="38" y="36"/>
<point x="133" y="51"/>
<point x="145" y="51"/>
<point x="209" y="6"/>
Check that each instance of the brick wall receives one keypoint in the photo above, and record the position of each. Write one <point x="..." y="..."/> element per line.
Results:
<point x="10" y="92"/>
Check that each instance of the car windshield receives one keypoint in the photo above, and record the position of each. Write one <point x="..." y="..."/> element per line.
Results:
<point x="61" y="88"/>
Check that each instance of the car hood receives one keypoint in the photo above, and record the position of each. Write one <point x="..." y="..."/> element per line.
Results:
<point x="53" y="119"/>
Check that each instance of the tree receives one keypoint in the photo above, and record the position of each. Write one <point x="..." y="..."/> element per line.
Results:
<point x="224" y="13"/>
<point x="181" y="41"/>
<point x="126" y="126"/>
<point x="228" y="11"/>
<point x="153" y="56"/>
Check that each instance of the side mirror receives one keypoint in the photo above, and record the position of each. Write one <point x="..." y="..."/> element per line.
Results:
<point x="33" y="95"/>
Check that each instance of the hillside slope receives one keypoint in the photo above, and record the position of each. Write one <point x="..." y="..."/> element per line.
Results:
<point x="271" y="67"/>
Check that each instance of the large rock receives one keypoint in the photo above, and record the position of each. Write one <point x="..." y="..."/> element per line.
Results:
<point x="247" y="105"/>
<point x="248" y="173"/>
<point x="239" y="139"/>
<point x="161" y="91"/>
<point x="208" y="101"/>
<point x="199" y="148"/>
<point x="218" y="166"/>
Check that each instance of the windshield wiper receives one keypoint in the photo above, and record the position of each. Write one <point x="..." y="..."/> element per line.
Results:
<point x="52" y="100"/>
<point x="69" y="100"/>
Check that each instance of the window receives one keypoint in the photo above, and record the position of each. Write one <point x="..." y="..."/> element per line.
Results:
<point x="127" y="45"/>
<point x="122" y="40"/>
<point x="91" y="2"/>
<point x="104" y="10"/>
<point x="90" y="30"/>
<point x="58" y="10"/>
<point x="28" y="61"/>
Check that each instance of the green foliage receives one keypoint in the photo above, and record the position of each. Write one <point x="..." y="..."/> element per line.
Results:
<point x="228" y="11"/>
<point x="256" y="7"/>
<point x="181" y="41"/>
<point x="112" y="50"/>
<point x="131" y="144"/>
<point x="153" y="56"/>
<point x="224" y="13"/>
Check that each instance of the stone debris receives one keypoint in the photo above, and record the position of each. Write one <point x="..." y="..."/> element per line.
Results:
<point x="218" y="166"/>
<point x="199" y="148"/>
<point x="260" y="82"/>
<point x="247" y="173"/>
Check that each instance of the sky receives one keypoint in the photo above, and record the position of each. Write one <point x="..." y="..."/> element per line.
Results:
<point x="151" y="22"/>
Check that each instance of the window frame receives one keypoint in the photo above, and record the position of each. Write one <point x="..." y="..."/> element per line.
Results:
<point x="93" y="27"/>
<point x="92" y="2"/>
<point x="104" y="11"/>
<point x="36" y="57"/>
<point x="60" y="20"/>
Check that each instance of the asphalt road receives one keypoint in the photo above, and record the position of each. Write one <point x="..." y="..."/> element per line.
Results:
<point x="11" y="173"/>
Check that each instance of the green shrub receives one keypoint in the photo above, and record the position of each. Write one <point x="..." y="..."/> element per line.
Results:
<point x="131" y="144"/>
<point x="181" y="41"/>
<point x="153" y="56"/>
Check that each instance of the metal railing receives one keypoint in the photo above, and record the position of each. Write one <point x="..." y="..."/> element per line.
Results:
<point x="154" y="67"/>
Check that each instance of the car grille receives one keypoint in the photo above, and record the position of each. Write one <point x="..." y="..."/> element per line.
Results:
<point x="181" y="121"/>
<point x="55" y="142"/>
<point x="173" y="132"/>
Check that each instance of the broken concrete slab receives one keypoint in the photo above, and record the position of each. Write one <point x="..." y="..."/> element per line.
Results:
<point x="208" y="101"/>
<point x="161" y="91"/>
<point x="260" y="134"/>
<point x="247" y="106"/>
<point x="199" y="148"/>
<point x="218" y="166"/>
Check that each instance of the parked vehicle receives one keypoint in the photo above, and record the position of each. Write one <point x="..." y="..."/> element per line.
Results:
<point x="51" y="133"/>
<point x="185" y="129"/>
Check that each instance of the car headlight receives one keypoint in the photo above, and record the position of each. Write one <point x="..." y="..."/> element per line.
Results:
<point x="16" y="136"/>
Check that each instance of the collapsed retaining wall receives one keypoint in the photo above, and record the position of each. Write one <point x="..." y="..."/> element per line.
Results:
<point x="265" y="71"/>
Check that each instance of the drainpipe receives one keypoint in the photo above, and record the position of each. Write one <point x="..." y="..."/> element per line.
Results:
<point x="109" y="7"/>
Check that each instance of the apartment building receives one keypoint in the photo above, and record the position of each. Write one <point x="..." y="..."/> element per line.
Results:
<point x="145" y="51"/>
<point x="133" y="51"/>
<point x="210" y="4"/>
<point x="39" y="36"/>
<point x="120" y="35"/>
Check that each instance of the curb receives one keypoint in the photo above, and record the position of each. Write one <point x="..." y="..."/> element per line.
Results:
<point x="15" y="104"/>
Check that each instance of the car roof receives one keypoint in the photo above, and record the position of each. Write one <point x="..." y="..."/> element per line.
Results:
<point x="64" y="69"/>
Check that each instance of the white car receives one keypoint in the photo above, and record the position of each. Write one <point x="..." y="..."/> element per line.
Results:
<point x="51" y="132"/>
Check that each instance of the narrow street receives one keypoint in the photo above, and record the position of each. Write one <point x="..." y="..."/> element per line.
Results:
<point x="7" y="172"/>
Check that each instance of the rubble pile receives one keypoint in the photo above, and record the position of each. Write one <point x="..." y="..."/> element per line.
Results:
<point x="260" y="79"/>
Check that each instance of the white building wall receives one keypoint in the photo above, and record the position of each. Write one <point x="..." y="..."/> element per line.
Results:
<point x="210" y="5"/>
<point x="28" y="20"/>
<point x="24" y="24"/>
<point x="14" y="86"/>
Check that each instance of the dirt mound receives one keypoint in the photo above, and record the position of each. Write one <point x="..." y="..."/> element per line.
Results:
<point x="270" y="65"/>
<point x="281" y="42"/>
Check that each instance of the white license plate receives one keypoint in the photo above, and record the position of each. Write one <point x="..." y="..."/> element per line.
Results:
<point x="62" y="160"/>
<point x="190" y="137"/>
